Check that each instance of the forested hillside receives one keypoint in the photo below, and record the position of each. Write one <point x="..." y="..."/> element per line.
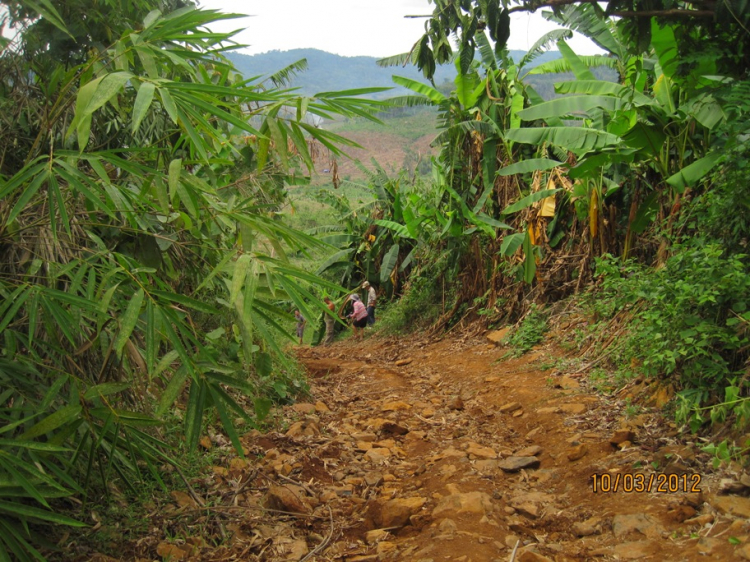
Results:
<point x="327" y="72"/>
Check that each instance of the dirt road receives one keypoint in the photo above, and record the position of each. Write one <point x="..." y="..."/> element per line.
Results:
<point x="445" y="451"/>
<point x="461" y="455"/>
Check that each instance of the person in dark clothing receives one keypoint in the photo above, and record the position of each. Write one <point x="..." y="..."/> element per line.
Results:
<point x="300" y="325"/>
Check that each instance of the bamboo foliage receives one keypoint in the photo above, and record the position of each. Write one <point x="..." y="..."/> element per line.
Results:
<point x="143" y="272"/>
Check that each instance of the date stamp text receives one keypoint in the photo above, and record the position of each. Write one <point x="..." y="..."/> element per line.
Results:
<point x="638" y="483"/>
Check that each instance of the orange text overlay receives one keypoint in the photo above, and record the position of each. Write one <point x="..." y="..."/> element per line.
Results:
<point x="639" y="483"/>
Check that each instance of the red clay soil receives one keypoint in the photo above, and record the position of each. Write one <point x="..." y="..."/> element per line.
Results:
<point x="387" y="148"/>
<point x="464" y="420"/>
<point x="432" y="451"/>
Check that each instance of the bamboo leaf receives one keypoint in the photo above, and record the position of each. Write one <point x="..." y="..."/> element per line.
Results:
<point x="26" y="196"/>
<point x="224" y="261"/>
<point x="235" y="382"/>
<point x="85" y="95"/>
<point x="150" y="19"/>
<point x="125" y="417"/>
<point x="26" y="511"/>
<point x="186" y="301"/>
<point x="152" y="341"/>
<point x="194" y="413"/>
<point x="32" y="445"/>
<point x="25" y="484"/>
<point x="226" y="421"/>
<point x="169" y="105"/>
<point x="241" y="267"/>
<point x="283" y="78"/>
<point x="105" y="389"/>
<point x="353" y="92"/>
<point x="166" y="361"/>
<point x="47" y="10"/>
<point x="106" y="90"/>
<point x="128" y="321"/>
<point x="20" y="296"/>
<point x="53" y="421"/>
<point x="57" y="196"/>
<point x="175" y="169"/>
<point x="142" y="104"/>
<point x="22" y="176"/>
<point x="171" y="392"/>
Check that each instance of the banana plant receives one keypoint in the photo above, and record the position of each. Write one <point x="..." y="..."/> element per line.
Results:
<point x="649" y="121"/>
<point x="476" y="144"/>
<point x="372" y="242"/>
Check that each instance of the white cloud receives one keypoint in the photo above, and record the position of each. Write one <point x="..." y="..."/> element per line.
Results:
<point x="352" y="27"/>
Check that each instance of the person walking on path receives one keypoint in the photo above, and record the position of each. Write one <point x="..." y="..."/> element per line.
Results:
<point x="372" y="298"/>
<point x="300" y="325"/>
<point x="358" y="316"/>
<point x="330" y="321"/>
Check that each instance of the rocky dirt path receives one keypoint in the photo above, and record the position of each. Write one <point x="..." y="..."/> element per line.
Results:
<point x="444" y="451"/>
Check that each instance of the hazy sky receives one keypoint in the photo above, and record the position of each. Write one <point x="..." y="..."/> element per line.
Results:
<point x="353" y="27"/>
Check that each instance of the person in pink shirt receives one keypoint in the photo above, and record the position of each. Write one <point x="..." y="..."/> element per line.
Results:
<point x="358" y="316"/>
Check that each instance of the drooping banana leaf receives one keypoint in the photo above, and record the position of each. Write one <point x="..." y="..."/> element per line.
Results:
<point x="692" y="174"/>
<point x="528" y="166"/>
<point x="570" y="106"/>
<point x="389" y="263"/>
<point x="576" y="139"/>
<point x="528" y="201"/>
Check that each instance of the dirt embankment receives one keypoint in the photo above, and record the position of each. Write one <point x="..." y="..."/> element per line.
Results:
<point x="443" y="450"/>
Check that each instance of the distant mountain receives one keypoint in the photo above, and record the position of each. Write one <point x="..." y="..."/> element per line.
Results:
<point x="328" y="72"/>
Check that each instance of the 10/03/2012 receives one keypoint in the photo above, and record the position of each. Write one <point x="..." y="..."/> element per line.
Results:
<point x="639" y="483"/>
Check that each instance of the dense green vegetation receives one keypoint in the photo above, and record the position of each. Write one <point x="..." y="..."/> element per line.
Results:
<point x="148" y="278"/>
<point x="147" y="282"/>
<point x="631" y="194"/>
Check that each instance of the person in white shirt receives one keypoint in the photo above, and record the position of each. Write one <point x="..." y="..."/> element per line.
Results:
<point x="372" y="298"/>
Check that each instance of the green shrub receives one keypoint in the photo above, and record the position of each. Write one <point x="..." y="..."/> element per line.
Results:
<point x="420" y="305"/>
<point x="529" y="333"/>
<point x="689" y="324"/>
